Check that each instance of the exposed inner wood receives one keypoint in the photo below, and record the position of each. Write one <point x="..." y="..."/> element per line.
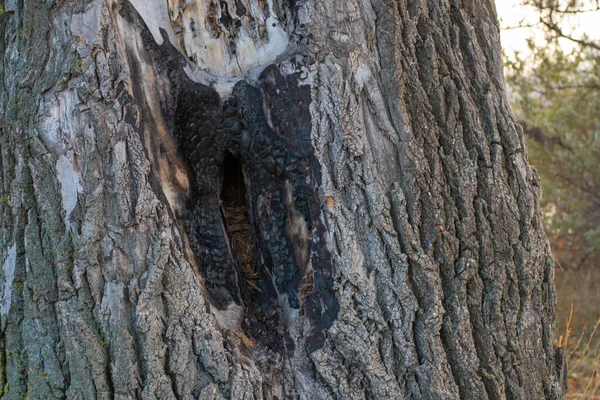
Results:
<point x="235" y="210"/>
<point x="262" y="321"/>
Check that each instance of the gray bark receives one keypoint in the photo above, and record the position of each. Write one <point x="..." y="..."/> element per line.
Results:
<point x="274" y="199"/>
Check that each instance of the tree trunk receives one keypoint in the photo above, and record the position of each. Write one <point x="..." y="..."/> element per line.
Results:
<point x="273" y="199"/>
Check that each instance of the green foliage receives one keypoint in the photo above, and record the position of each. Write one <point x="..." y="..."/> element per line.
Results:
<point x="558" y="18"/>
<point x="556" y="96"/>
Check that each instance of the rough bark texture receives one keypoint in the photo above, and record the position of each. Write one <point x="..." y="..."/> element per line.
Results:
<point x="274" y="199"/>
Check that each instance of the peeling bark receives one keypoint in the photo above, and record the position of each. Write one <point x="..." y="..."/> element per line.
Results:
<point x="389" y="243"/>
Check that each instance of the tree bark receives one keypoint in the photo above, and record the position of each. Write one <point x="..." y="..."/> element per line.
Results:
<point x="274" y="199"/>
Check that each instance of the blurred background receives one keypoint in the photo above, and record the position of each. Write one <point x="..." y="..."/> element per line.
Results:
<point x="552" y="67"/>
